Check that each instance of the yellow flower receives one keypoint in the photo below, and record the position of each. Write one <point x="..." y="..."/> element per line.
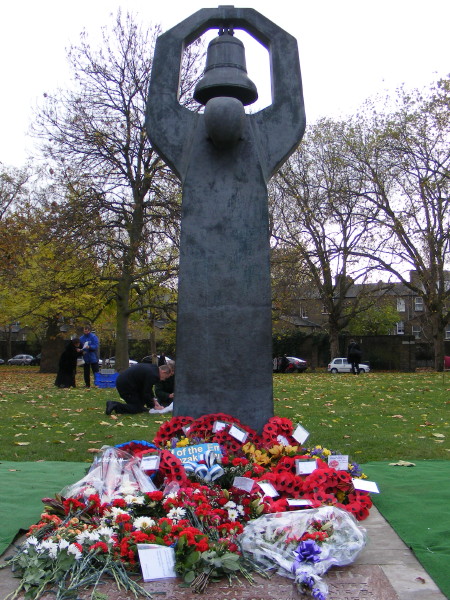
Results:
<point x="326" y="452"/>
<point x="261" y="458"/>
<point x="277" y="450"/>
<point x="248" y="448"/>
<point x="183" y="442"/>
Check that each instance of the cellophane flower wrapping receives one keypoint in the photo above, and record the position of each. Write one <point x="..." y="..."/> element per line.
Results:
<point x="114" y="474"/>
<point x="273" y="541"/>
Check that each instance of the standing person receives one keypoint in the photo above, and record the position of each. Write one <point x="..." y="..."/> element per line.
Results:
<point x="162" y="359"/>
<point x="67" y="365"/>
<point x="90" y="345"/>
<point x="354" y="356"/>
<point x="283" y="364"/>
<point x="135" y="386"/>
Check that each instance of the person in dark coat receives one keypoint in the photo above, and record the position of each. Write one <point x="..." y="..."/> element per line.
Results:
<point x="162" y="359"/>
<point x="354" y="356"/>
<point x="164" y="391"/>
<point x="135" y="386"/>
<point x="67" y="365"/>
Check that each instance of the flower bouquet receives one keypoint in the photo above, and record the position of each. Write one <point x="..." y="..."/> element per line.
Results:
<point x="303" y="545"/>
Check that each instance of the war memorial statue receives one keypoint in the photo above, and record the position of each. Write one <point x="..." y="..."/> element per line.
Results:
<point x="224" y="159"/>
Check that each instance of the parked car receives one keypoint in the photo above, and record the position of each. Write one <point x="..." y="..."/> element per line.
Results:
<point x="296" y="365"/>
<point x="2" y="362"/>
<point x="341" y="365"/>
<point x="110" y="363"/>
<point x="148" y="359"/>
<point x="80" y="362"/>
<point x="20" y="359"/>
<point x="36" y="360"/>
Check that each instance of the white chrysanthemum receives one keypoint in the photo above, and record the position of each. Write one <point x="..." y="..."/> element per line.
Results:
<point x="176" y="514"/>
<point x="72" y="549"/>
<point x="240" y="509"/>
<point x="82" y="537"/>
<point x="50" y="547"/>
<point x="106" y="533"/>
<point x="32" y="541"/>
<point x="233" y="514"/>
<point x="130" y="499"/>
<point x="63" y="544"/>
<point x="230" y="504"/>
<point x="115" y="511"/>
<point x="143" y="523"/>
<point x="88" y="536"/>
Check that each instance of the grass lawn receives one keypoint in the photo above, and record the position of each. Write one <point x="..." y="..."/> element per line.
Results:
<point x="376" y="416"/>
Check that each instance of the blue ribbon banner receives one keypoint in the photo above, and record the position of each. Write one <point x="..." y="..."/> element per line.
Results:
<point x="201" y="459"/>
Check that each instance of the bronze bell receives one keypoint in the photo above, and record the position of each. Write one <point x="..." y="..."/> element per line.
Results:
<point x="226" y="73"/>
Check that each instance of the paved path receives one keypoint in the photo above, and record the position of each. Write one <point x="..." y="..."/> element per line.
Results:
<point x="385" y="570"/>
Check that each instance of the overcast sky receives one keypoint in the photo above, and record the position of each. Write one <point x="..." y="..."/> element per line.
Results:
<point x="349" y="50"/>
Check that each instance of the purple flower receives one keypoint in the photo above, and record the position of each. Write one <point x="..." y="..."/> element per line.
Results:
<point x="317" y="594"/>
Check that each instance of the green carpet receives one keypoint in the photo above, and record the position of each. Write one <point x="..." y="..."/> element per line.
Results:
<point x="22" y="487"/>
<point x="415" y="501"/>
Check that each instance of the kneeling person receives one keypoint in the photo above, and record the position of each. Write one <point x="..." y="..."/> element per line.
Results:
<point x="135" y="386"/>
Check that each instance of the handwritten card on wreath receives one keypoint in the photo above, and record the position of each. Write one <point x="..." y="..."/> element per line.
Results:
<point x="365" y="486"/>
<point x="150" y="462"/>
<point x="339" y="462"/>
<point x="300" y="434"/>
<point x="243" y="483"/>
<point x="238" y="434"/>
<point x="268" y="489"/>
<point x="305" y="467"/>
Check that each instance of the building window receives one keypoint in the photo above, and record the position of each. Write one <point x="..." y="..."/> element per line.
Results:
<point x="401" y="306"/>
<point x="447" y="332"/>
<point x="416" y="331"/>
<point x="400" y="328"/>
<point x="418" y="304"/>
<point x="304" y="313"/>
<point x="325" y="310"/>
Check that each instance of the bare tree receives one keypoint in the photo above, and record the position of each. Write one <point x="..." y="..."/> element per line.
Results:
<point x="117" y="196"/>
<point x="317" y="214"/>
<point x="404" y="156"/>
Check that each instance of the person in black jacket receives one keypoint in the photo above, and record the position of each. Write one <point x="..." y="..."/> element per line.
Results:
<point x="135" y="386"/>
<point x="67" y="365"/>
<point x="354" y="356"/>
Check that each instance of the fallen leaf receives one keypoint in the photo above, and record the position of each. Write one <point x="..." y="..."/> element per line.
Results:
<point x="438" y="435"/>
<point x="421" y="579"/>
<point x="94" y="450"/>
<point x="95" y="441"/>
<point x="397" y="416"/>
<point x="22" y="443"/>
<point x="104" y="423"/>
<point x="402" y="463"/>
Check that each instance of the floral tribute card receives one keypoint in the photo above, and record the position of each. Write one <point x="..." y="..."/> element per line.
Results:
<point x="157" y="562"/>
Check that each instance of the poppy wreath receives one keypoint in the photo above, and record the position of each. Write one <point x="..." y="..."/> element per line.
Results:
<point x="170" y="467"/>
<point x="202" y="429"/>
<point x="277" y="426"/>
<point x="174" y="428"/>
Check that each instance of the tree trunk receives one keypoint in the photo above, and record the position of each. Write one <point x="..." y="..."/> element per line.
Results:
<point x="334" y="342"/>
<point x="438" y="330"/>
<point x="52" y="348"/>
<point x="122" y="318"/>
